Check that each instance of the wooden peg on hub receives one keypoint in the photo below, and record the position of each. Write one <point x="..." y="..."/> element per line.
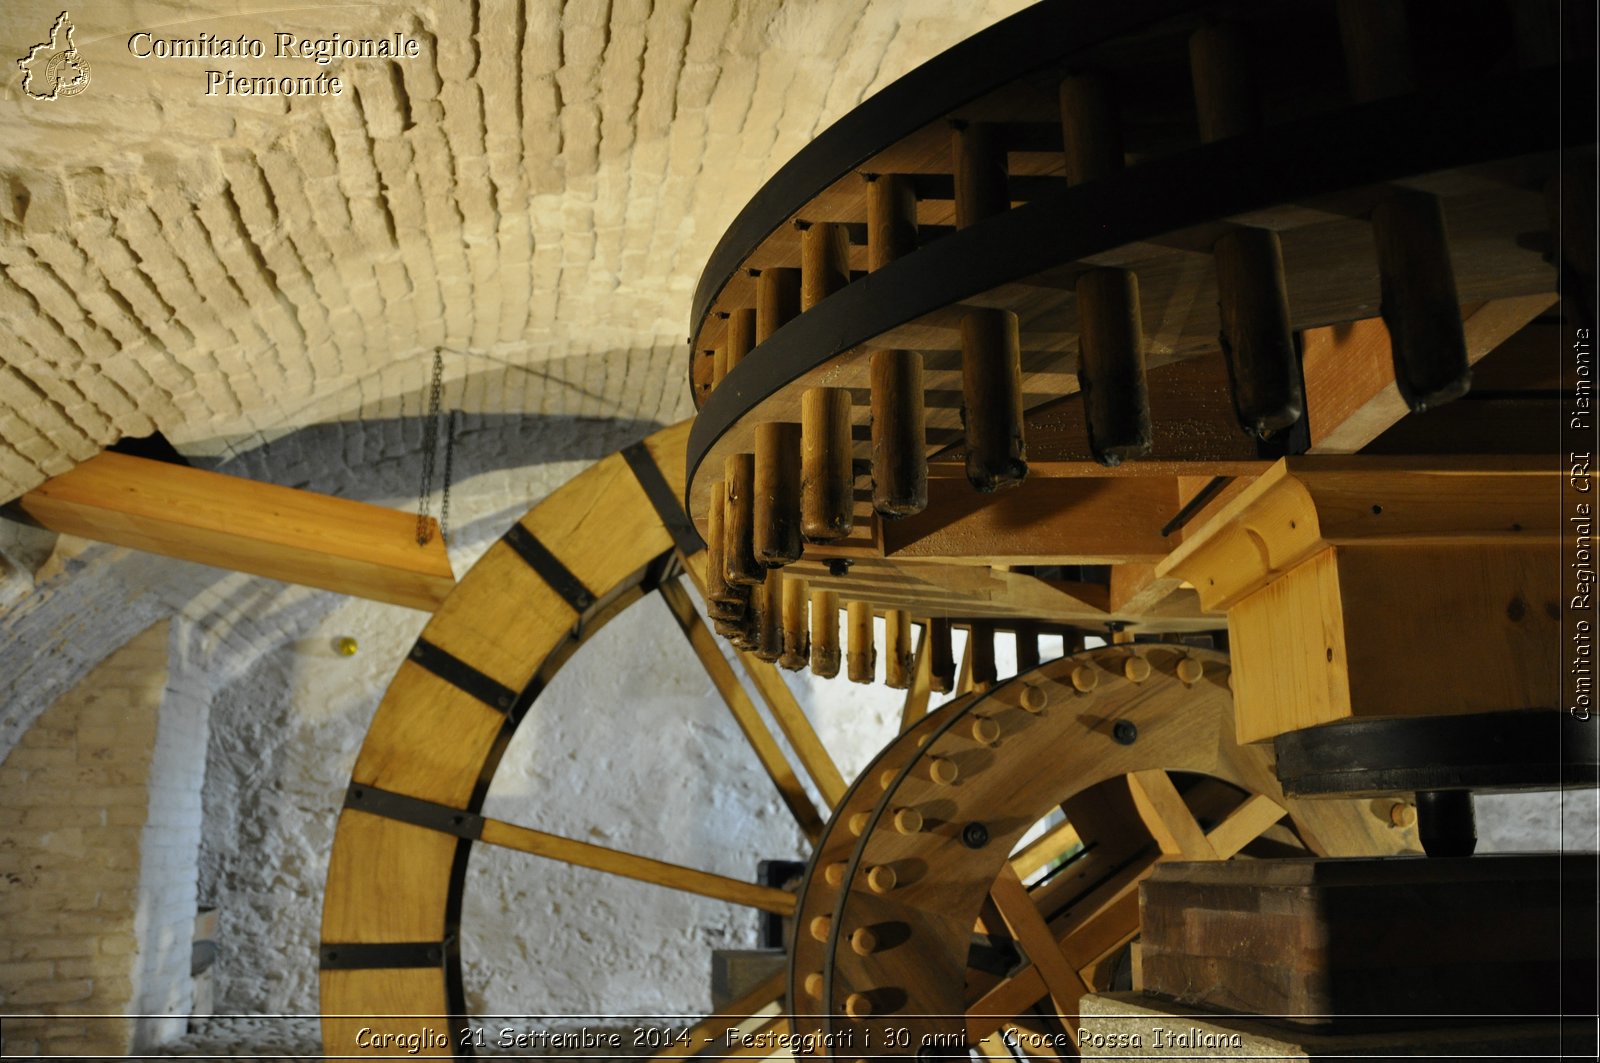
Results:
<point x="978" y="158"/>
<point x="899" y="458"/>
<point x="991" y="393"/>
<point x="766" y="602"/>
<point x="825" y="633"/>
<point x="863" y="942"/>
<point x="827" y="479"/>
<point x="833" y="874"/>
<point x="942" y="770"/>
<point x="821" y="926"/>
<point x="1225" y="95"/>
<point x="1419" y="302"/>
<point x="941" y="656"/>
<point x="739" y="557"/>
<point x="898" y="658"/>
<point x="1111" y="371"/>
<point x="777" y="300"/>
<point x="796" y="637"/>
<point x="824" y="261"/>
<point x="724" y="601"/>
<point x="980" y="651"/>
<point x="882" y="879"/>
<point x="1091" y="136"/>
<point x="777" y="493"/>
<point x="907" y="820"/>
<point x="1253" y="303"/>
<point x="863" y="656"/>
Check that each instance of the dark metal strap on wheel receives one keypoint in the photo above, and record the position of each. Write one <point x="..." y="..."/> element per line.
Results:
<point x="662" y="497"/>
<point x="364" y="955"/>
<point x="414" y="810"/>
<point x="463" y="676"/>
<point x="549" y="568"/>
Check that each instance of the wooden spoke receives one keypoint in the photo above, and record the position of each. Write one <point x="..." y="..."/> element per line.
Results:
<point x="642" y="868"/>
<point x="1033" y="934"/>
<point x="1045" y="849"/>
<point x="1244" y="825"/>
<point x="744" y="711"/>
<point x="917" y="694"/>
<point x="759" y="1042"/>
<point x="1167" y="817"/>
<point x="796" y="727"/>
<point x="709" y="1029"/>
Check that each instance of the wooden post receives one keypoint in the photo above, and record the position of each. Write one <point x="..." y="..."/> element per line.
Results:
<point x="980" y="651"/>
<point x="827" y="496"/>
<point x="1090" y="133"/>
<point x="796" y="639"/>
<point x="824" y="262"/>
<point x="991" y="389"/>
<point x="1225" y="95"/>
<point x="1111" y="365"/>
<point x="825" y="633"/>
<point x="777" y="300"/>
<point x="979" y="162"/>
<point x="1377" y="52"/>
<point x="941" y="659"/>
<point x="1419" y="302"/>
<point x="1253" y="303"/>
<point x="777" y="493"/>
<point x="741" y="336"/>
<point x="1027" y="647"/>
<point x="739" y="472"/>
<point x="724" y="600"/>
<point x="891" y="219"/>
<point x="863" y="655"/>
<point x="766" y="603"/>
<point x="899" y="460"/>
<point x="897" y="648"/>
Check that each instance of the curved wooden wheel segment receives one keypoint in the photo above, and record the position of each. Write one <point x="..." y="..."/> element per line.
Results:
<point x="1105" y="248"/>
<point x="914" y="929"/>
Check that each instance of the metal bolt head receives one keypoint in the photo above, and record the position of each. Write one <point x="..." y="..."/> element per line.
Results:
<point x="1125" y="732"/>
<point x="974" y="835"/>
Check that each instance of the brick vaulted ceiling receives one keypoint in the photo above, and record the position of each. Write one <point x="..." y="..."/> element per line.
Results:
<point x="535" y="193"/>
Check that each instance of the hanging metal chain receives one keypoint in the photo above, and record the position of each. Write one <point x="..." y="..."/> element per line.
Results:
<point x="430" y="444"/>
<point x="444" y="488"/>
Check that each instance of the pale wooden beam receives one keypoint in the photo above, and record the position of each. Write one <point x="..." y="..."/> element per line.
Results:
<point x="797" y="728"/>
<point x="333" y="544"/>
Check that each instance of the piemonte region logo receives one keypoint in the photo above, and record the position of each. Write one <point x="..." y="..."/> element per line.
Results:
<point x="55" y="68"/>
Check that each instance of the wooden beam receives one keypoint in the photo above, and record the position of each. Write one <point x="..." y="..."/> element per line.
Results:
<point x="1351" y="395"/>
<point x="796" y="727"/>
<point x="713" y="1026"/>
<point x="640" y="868"/>
<point x="333" y="544"/>
<point x="917" y="695"/>
<point x="1033" y="934"/>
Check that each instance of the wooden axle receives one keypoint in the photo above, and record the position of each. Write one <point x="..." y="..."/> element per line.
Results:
<point x="1420" y="306"/>
<point x="739" y="554"/>
<point x="1111" y="370"/>
<point x="777" y="494"/>
<point x="897" y="649"/>
<point x="827" y="481"/>
<point x="825" y="633"/>
<point x="1254" y="306"/>
<point x="796" y="638"/>
<point x="991" y="390"/>
<point x="863" y="656"/>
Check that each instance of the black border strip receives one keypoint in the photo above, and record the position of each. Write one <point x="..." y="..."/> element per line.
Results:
<point x="1382" y="141"/>
<point x="367" y="955"/>
<point x="549" y="568"/>
<point x="684" y="535"/>
<point x="413" y="810"/>
<point x="462" y="676"/>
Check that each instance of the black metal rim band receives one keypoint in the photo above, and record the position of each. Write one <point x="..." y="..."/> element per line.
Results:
<point x="662" y="499"/>
<point x="366" y="956"/>
<point x="462" y="676"/>
<point x="549" y="568"/>
<point x="414" y="810"/>
<point x="1416" y="134"/>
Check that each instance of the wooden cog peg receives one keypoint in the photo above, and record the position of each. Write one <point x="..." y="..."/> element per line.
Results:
<point x="1111" y="371"/>
<point x="741" y="337"/>
<point x="862" y="655"/>
<point x="863" y="942"/>
<point x="814" y="985"/>
<point x="724" y="601"/>
<point x="942" y="770"/>
<point x="1136" y="669"/>
<point x="1091" y="136"/>
<point x="899" y="459"/>
<point x="1190" y="671"/>
<point x="820" y="927"/>
<point x="739" y="558"/>
<point x="858" y="823"/>
<point x="1225" y="96"/>
<point x="991" y="393"/>
<point x="898" y="657"/>
<point x="824" y="261"/>
<point x="886" y="778"/>
<point x="777" y="493"/>
<point x="907" y="821"/>
<point x="777" y="300"/>
<point x="796" y="636"/>
<point x="827" y="479"/>
<point x="980" y="651"/>
<point x="985" y="731"/>
<point x="891" y="219"/>
<point x="766" y="602"/>
<point x="858" y="1006"/>
<point x="1419" y="305"/>
<point x="1085" y="679"/>
<point x="882" y="879"/>
<point x="941" y="656"/>
<point x="825" y="633"/>
<point x="1034" y="698"/>
<point x="719" y="365"/>
<point x="978" y="155"/>
<point x="1253" y="304"/>
<point x="833" y="874"/>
